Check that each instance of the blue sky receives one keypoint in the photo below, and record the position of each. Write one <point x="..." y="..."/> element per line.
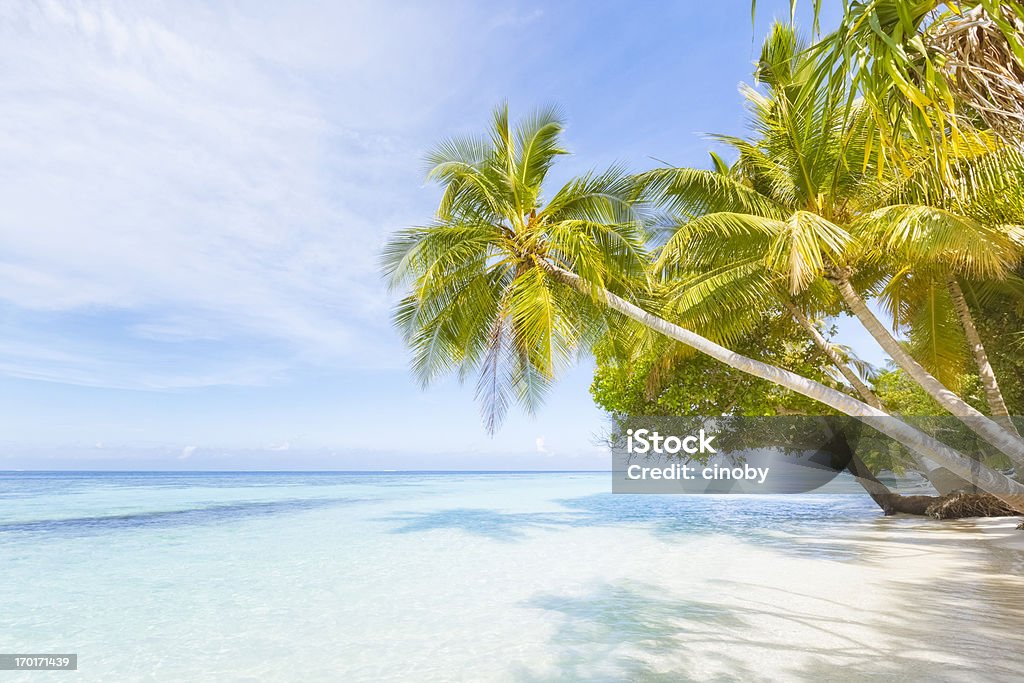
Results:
<point x="195" y="196"/>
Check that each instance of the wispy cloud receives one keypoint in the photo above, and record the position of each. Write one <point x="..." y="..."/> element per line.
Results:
<point x="209" y="176"/>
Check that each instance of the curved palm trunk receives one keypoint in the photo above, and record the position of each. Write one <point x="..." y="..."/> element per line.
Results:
<point x="833" y="355"/>
<point x="839" y="445"/>
<point x="943" y="506"/>
<point x="876" y="488"/>
<point x="993" y="396"/>
<point x="1004" y="488"/>
<point x="976" y="421"/>
<point x="944" y="482"/>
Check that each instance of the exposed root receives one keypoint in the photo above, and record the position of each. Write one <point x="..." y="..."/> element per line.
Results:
<point x="953" y="506"/>
<point x="960" y="505"/>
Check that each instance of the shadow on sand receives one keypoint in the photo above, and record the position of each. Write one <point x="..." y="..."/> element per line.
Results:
<point x="970" y="628"/>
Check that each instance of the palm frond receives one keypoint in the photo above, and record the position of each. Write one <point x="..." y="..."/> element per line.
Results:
<point x="478" y="297"/>
<point x="930" y="235"/>
<point x="690" y="192"/>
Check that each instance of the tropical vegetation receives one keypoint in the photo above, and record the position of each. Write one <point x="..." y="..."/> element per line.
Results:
<point x="724" y="278"/>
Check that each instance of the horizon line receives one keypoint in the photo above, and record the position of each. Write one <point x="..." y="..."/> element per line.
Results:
<point x="297" y="471"/>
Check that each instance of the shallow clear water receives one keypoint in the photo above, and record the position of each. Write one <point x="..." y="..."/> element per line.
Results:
<point x="456" y="576"/>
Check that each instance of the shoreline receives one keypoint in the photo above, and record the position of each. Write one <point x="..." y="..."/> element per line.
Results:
<point x="379" y="574"/>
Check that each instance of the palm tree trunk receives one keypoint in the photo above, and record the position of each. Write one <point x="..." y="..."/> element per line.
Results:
<point x="976" y="421"/>
<point x="833" y="355"/>
<point x="993" y="396"/>
<point x="968" y="505"/>
<point x="1004" y="488"/>
<point x="943" y="484"/>
<point x="839" y="445"/>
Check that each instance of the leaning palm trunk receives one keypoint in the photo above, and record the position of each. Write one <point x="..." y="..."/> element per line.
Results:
<point x="833" y="355"/>
<point x="839" y="445"/>
<point x="993" y="396"/>
<point x="942" y="482"/>
<point x="1004" y="488"/>
<point x="943" y="506"/>
<point x="976" y="421"/>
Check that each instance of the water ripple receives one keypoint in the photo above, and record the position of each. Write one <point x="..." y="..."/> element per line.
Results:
<point x="168" y="518"/>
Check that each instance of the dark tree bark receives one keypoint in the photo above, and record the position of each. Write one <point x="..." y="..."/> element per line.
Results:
<point x="957" y="505"/>
<point x="839" y="448"/>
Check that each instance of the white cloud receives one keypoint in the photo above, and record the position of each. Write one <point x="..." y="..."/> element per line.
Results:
<point x="218" y="176"/>
<point x="540" y="445"/>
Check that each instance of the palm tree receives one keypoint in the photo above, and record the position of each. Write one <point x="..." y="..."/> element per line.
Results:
<point x="507" y="286"/>
<point x="993" y="394"/>
<point x="482" y="298"/>
<point x="936" y="75"/>
<point x="696" y="298"/>
<point x="933" y="72"/>
<point x="969" y="237"/>
<point x="974" y="250"/>
<point x="799" y="194"/>
<point x="727" y="301"/>
<point x="932" y="306"/>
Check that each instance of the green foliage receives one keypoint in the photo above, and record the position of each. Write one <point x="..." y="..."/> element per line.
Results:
<point x="999" y="317"/>
<point x="479" y="297"/>
<point x="934" y="74"/>
<point x="696" y="385"/>
<point x="804" y="202"/>
<point x="902" y="395"/>
<point x="806" y="199"/>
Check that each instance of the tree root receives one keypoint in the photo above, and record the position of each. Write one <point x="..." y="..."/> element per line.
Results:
<point x="953" y="506"/>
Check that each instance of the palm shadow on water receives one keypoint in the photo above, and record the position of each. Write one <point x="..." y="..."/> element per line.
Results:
<point x="153" y="519"/>
<point x="491" y="524"/>
<point x="779" y="524"/>
<point x="789" y="525"/>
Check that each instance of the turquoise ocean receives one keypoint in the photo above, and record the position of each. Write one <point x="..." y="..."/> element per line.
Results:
<point x="491" y="576"/>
